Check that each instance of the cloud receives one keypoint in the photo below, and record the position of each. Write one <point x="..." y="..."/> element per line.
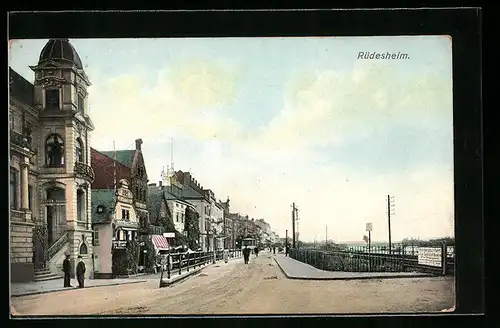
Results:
<point x="188" y="96"/>
<point x="329" y="107"/>
<point x="203" y="83"/>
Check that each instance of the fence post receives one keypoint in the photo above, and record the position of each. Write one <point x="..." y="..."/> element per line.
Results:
<point x="403" y="257"/>
<point x="169" y="260"/>
<point x="180" y="264"/>
<point x="162" y="262"/>
<point x="444" y="255"/>
<point x="187" y="262"/>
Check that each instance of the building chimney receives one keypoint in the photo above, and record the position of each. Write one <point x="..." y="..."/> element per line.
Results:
<point x="138" y="143"/>
<point x="187" y="179"/>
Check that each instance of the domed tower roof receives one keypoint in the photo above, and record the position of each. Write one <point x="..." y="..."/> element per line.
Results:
<point x="60" y="51"/>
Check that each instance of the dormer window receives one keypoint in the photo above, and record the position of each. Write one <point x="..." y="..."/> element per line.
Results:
<point x="100" y="209"/>
<point x="52" y="99"/>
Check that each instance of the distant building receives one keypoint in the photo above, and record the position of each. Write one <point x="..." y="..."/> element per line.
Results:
<point x="227" y="229"/>
<point x="205" y="203"/>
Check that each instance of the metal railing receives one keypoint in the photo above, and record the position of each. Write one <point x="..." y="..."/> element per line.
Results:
<point x="84" y="171"/>
<point x="361" y="259"/>
<point x="56" y="247"/>
<point x="20" y="140"/>
<point x="177" y="263"/>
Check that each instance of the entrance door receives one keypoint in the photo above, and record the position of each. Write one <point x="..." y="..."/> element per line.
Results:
<point x="50" y="224"/>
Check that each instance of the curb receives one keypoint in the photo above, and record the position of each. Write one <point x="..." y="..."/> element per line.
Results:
<point x="180" y="279"/>
<point x="423" y="275"/>
<point x="72" y="288"/>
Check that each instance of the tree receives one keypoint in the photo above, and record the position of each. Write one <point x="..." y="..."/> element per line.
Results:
<point x="192" y="228"/>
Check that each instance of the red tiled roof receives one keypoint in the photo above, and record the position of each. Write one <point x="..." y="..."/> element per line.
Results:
<point x="160" y="242"/>
<point x="103" y="167"/>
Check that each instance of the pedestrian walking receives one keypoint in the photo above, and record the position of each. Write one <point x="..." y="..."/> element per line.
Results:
<point x="67" y="271"/>
<point x="256" y="251"/>
<point x="80" y="272"/>
<point x="274" y="250"/>
<point x="246" y="254"/>
<point x="226" y="256"/>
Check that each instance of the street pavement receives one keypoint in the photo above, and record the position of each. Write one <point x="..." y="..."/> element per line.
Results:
<point x="294" y="269"/>
<point x="56" y="285"/>
<point x="257" y="288"/>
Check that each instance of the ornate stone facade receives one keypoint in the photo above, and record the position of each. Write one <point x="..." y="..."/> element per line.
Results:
<point x="50" y="164"/>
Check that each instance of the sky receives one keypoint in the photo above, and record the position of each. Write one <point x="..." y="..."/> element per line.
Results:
<point x="272" y="121"/>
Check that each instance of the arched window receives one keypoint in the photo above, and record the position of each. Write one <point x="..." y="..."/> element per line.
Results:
<point x="83" y="249"/>
<point x="79" y="151"/>
<point x="54" y="150"/>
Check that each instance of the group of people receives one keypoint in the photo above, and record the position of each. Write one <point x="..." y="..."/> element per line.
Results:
<point x="80" y="272"/>
<point x="247" y="251"/>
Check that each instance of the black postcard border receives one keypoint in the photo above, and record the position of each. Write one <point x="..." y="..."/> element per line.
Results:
<point x="463" y="25"/>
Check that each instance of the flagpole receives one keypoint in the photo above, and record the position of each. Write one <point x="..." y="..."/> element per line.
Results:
<point x="114" y="180"/>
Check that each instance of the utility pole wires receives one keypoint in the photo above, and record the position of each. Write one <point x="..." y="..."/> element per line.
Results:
<point x="390" y="211"/>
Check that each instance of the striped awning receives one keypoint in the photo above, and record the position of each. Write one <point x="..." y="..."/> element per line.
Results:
<point x="160" y="242"/>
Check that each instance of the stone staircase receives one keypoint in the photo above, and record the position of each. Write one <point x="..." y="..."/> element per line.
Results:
<point x="53" y="270"/>
<point x="45" y="274"/>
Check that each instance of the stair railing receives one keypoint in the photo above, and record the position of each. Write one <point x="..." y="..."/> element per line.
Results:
<point x="56" y="247"/>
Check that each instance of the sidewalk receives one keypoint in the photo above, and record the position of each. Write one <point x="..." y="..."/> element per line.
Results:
<point x="56" y="285"/>
<point x="294" y="269"/>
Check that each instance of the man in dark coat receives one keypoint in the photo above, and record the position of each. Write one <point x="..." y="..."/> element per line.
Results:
<point x="80" y="272"/>
<point x="256" y="251"/>
<point x="246" y="254"/>
<point x="67" y="271"/>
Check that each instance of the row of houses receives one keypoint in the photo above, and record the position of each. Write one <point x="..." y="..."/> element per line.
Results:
<point x="67" y="198"/>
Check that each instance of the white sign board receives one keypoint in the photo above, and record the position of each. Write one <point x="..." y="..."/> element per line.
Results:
<point x="430" y="256"/>
<point x="369" y="227"/>
<point x="169" y="234"/>
<point x="119" y="244"/>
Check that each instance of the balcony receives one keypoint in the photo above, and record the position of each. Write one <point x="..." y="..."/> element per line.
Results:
<point x="84" y="171"/>
<point x="20" y="141"/>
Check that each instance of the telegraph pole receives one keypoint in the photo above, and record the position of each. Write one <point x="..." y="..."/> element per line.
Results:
<point x="293" y="225"/>
<point x="297" y="220"/>
<point x="286" y="242"/>
<point x="390" y="205"/>
<point x="326" y="237"/>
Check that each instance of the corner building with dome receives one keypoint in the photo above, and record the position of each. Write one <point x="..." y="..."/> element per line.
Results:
<point x="50" y="170"/>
